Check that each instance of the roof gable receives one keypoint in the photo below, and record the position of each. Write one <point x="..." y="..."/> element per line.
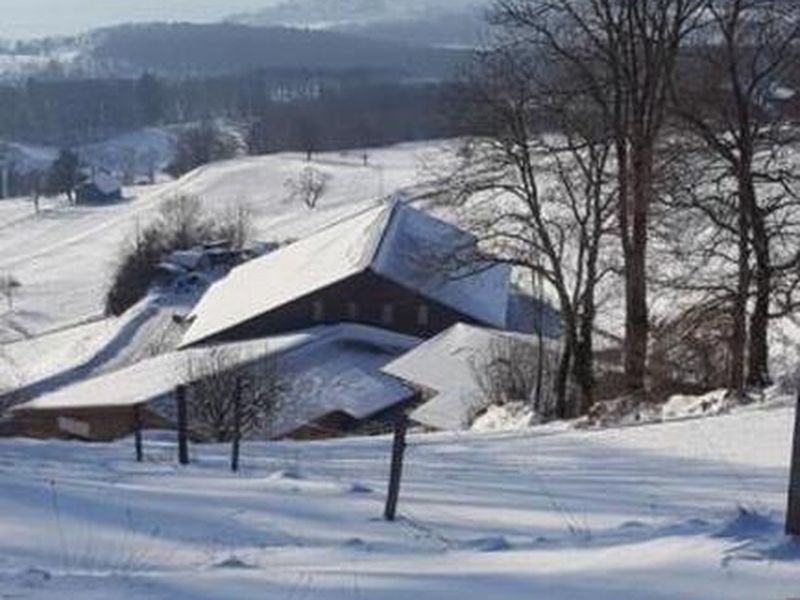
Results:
<point x="421" y="253"/>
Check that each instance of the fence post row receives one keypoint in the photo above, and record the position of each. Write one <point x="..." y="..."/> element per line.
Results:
<point x="793" y="508"/>
<point x="183" y="427"/>
<point x="398" y="449"/>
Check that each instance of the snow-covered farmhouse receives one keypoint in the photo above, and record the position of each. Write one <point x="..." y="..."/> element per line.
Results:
<point x="99" y="188"/>
<point x="339" y="310"/>
<point x="391" y="266"/>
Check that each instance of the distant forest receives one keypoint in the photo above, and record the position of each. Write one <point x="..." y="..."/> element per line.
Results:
<point x="191" y="50"/>
<point x="284" y="106"/>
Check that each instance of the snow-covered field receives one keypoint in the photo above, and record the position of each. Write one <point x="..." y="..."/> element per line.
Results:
<point x="64" y="257"/>
<point x="689" y="510"/>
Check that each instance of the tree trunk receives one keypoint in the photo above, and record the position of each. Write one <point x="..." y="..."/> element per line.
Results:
<point x="583" y="372"/>
<point x="758" y="355"/>
<point x="636" y="313"/>
<point x="562" y="378"/>
<point x="738" y="339"/>
<point x="583" y="364"/>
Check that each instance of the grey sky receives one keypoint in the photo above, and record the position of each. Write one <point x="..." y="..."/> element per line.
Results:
<point x="37" y="18"/>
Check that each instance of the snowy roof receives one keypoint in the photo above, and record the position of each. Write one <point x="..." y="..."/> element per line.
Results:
<point x="296" y="270"/>
<point x="445" y="365"/>
<point x="152" y="378"/>
<point x="398" y="242"/>
<point x="418" y="252"/>
<point x="341" y="375"/>
<point x="107" y="184"/>
<point x="329" y="369"/>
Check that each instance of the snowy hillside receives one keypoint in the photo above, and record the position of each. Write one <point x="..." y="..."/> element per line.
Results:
<point x="679" y="511"/>
<point x="455" y="22"/>
<point x="136" y="153"/>
<point x="64" y="257"/>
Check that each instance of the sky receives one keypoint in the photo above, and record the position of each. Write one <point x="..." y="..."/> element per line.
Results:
<point x="39" y="18"/>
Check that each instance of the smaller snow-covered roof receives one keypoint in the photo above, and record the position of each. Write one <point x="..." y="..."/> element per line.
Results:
<point x="445" y="365"/>
<point x="342" y="375"/>
<point x="152" y="378"/>
<point x="328" y="369"/>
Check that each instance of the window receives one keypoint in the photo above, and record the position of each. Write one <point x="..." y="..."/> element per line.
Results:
<point x="352" y="311"/>
<point x="423" y="315"/>
<point x="317" y="310"/>
<point x="387" y="314"/>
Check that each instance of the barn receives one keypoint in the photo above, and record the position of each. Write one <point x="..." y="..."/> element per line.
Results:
<point x="336" y="307"/>
<point x="390" y="266"/>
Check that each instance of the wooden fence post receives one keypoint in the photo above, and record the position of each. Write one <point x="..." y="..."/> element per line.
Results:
<point x="137" y="432"/>
<point x="237" y="425"/>
<point x="398" y="449"/>
<point x="183" y="425"/>
<point x="793" y="508"/>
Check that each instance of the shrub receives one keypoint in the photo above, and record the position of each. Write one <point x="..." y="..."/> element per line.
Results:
<point x="182" y="224"/>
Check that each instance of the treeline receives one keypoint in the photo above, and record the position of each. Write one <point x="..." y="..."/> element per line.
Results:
<point x="183" y="49"/>
<point x="355" y="117"/>
<point x="73" y="112"/>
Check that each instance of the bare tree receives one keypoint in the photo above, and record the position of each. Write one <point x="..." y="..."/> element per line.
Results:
<point x="517" y="370"/>
<point x="184" y="223"/>
<point x="308" y="186"/>
<point x="621" y="54"/>
<point x="236" y="225"/>
<point x="704" y="239"/>
<point x="726" y="93"/>
<point x="216" y="377"/>
<point x="539" y="201"/>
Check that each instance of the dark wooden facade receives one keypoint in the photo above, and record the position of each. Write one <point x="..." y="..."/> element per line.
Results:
<point x="98" y="424"/>
<point x="365" y="298"/>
